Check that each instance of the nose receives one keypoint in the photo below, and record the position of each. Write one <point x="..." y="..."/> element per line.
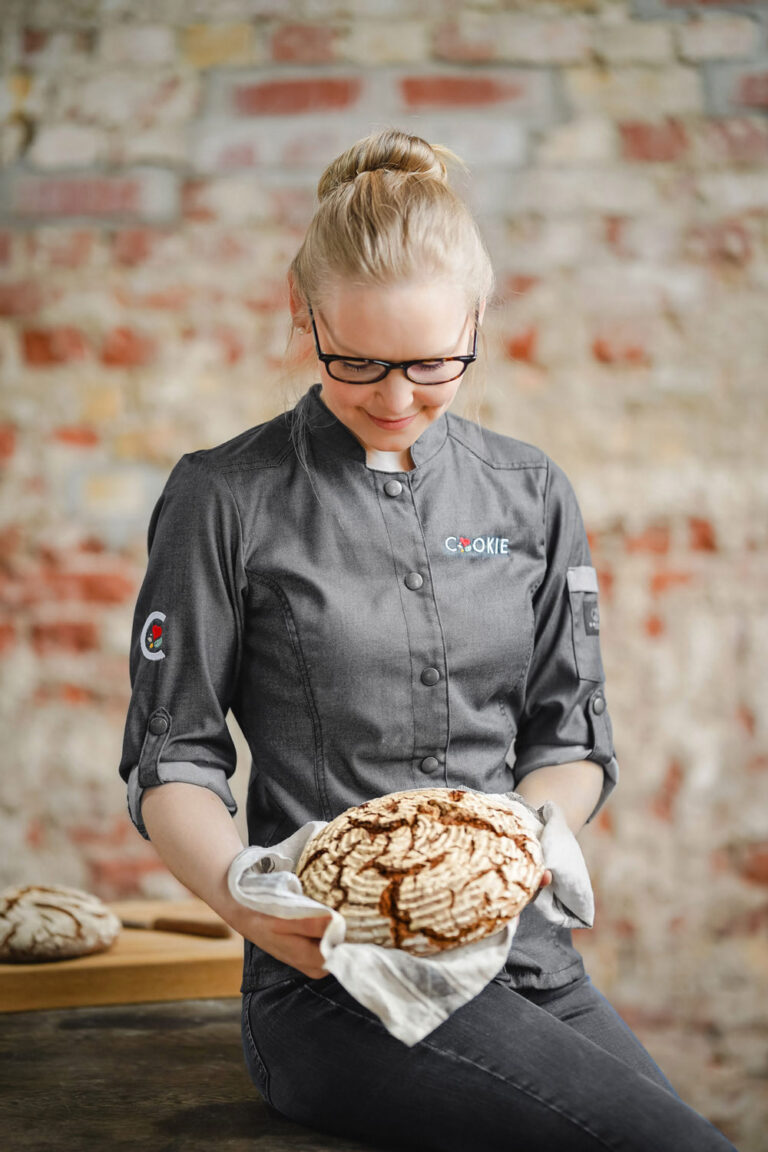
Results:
<point x="394" y="395"/>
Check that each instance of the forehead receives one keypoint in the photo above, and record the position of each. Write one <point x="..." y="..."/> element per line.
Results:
<point x="399" y="319"/>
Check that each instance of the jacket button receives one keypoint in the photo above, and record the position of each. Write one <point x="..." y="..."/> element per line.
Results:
<point x="413" y="580"/>
<point x="598" y="704"/>
<point x="430" y="676"/>
<point x="393" y="487"/>
<point x="430" y="763"/>
<point x="158" y="725"/>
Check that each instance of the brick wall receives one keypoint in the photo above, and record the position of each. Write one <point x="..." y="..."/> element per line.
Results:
<point x="158" y="169"/>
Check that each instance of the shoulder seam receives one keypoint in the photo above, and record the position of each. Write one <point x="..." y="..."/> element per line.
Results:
<point x="503" y="467"/>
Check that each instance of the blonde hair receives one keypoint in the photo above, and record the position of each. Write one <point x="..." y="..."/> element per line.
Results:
<point x="386" y="214"/>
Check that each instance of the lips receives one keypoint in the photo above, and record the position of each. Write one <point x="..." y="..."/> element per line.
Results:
<point x="392" y="424"/>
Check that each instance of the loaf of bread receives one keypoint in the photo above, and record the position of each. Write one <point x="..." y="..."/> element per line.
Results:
<point x="52" y="922"/>
<point x="425" y="870"/>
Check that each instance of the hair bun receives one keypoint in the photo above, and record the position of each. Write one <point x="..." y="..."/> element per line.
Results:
<point x="389" y="150"/>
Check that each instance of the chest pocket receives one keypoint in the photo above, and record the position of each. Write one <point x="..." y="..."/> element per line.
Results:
<point x="585" y="620"/>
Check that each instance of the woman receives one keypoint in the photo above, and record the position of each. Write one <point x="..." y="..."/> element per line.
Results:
<point x="387" y="596"/>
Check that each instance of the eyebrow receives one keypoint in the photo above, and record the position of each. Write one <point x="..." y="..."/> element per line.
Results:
<point x="357" y="356"/>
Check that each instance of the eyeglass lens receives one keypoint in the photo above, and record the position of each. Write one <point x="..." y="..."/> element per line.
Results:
<point x="366" y="371"/>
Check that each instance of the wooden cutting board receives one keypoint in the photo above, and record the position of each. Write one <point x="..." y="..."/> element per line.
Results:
<point x="141" y="966"/>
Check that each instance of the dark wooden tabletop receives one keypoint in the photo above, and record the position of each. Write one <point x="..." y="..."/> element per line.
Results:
<point x="162" y="1077"/>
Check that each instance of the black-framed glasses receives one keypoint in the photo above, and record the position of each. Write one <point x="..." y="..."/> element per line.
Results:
<point x="355" y="370"/>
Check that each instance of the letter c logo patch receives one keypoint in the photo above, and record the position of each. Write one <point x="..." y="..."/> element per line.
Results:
<point x="151" y="639"/>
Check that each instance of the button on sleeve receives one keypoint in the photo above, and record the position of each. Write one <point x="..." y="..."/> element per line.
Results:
<point x="565" y="716"/>
<point x="186" y="640"/>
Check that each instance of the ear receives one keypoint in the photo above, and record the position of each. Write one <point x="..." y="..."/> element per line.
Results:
<point x="298" y="306"/>
<point x="481" y="311"/>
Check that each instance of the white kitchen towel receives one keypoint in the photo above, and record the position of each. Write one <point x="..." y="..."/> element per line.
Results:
<point x="412" y="995"/>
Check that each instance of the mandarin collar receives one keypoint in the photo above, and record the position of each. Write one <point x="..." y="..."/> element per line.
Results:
<point x="325" y="427"/>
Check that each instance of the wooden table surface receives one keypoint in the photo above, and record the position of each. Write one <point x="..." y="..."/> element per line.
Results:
<point x="159" y="1077"/>
<point x="141" y="966"/>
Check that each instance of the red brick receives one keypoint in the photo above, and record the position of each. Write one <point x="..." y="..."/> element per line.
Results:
<point x="645" y="1018"/>
<point x="272" y="297"/>
<point x="73" y="694"/>
<point x="105" y="587"/>
<point x="45" y="346"/>
<point x="35" y="836"/>
<point x="231" y="344"/>
<point x="605" y="581"/>
<point x="735" y="140"/>
<point x="60" y="249"/>
<point x="133" y="246"/>
<point x="7" y="636"/>
<point x="303" y="43"/>
<point x="522" y="346"/>
<point x="33" y="40"/>
<point x="118" y="831"/>
<point x="291" y="97"/>
<point x="752" y="90"/>
<point x="654" y="625"/>
<point x="645" y="141"/>
<point x="725" y="241"/>
<point x="6" y="247"/>
<point x="193" y="205"/>
<point x="146" y="192"/>
<point x="747" y="922"/>
<point x="653" y="539"/>
<point x="77" y="435"/>
<point x="21" y="298"/>
<point x="126" y="348"/>
<point x="701" y="535"/>
<point x="449" y="45"/>
<point x="614" y="229"/>
<point x="746" y="719"/>
<point x="752" y="862"/>
<point x="669" y="578"/>
<point x="79" y="196"/>
<point x="121" y="877"/>
<point x="517" y="285"/>
<point x="662" y="804"/>
<point x="67" y="635"/>
<point x="7" y="441"/>
<point x="458" y="91"/>
<point x="172" y="299"/>
<point x="91" y="544"/>
<point x="292" y="209"/>
<point x="619" y="350"/>
<point x="604" y="821"/>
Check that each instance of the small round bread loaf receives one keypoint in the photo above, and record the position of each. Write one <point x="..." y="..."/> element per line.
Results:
<point x="425" y="870"/>
<point x="51" y="922"/>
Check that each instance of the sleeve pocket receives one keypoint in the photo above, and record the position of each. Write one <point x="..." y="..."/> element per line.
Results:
<point x="585" y="621"/>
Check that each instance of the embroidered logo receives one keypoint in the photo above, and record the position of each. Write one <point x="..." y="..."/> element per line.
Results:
<point x="477" y="545"/>
<point x="151" y="640"/>
<point x="591" y="616"/>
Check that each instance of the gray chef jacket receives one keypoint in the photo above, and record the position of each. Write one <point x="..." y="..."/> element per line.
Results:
<point x="370" y="630"/>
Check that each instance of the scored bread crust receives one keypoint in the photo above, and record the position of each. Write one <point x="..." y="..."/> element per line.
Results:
<point x="41" y="922"/>
<point x="424" y="870"/>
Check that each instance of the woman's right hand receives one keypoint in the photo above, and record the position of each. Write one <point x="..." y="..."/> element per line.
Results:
<point x="295" y="942"/>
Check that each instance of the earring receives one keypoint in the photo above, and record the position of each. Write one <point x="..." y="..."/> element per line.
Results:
<point x="301" y="329"/>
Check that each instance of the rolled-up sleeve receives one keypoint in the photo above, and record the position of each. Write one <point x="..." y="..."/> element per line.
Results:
<point x="565" y="715"/>
<point x="186" y="640"/>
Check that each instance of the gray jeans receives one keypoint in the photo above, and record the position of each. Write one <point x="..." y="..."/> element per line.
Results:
<point x="540" y="1069"/>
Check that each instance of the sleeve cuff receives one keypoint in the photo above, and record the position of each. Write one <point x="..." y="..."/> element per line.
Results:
<point x="185" y="772"/>
<point x="540" y="756"/>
